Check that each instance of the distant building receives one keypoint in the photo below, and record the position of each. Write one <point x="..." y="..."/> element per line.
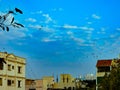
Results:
<point x="12" y="72"/>
<point x="66" y="82"/>
<point x="40" y="84"/>
<point x="104" y="67"/>
<point x="30" y="84"/>
<point x="90" y="77"/>
<point x="48" y="82"/>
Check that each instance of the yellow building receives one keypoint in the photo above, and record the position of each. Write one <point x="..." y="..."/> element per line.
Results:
<point x="48" y="82"/>
<point x="12" y="72"/>
<point x="40" y="84"/>
<point x="66" y="81"/>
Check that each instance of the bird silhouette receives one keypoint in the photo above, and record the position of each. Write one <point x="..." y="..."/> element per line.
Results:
<point x="18" y="10"/>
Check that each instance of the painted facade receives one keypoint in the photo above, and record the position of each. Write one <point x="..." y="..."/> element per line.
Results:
<point x="12" y="72"/>
<point x="66" y="81"/>
<point x="40" y="84"/>
<point x="104" y="67"/>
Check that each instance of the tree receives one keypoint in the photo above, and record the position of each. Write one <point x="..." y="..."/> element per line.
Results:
<point x="112" y="81"/>
<point x="5" y="21"/>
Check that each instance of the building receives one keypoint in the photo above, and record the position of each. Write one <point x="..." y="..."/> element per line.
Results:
<point x="48" y="82"/>
<point x="12" y="72"/>
<point x="90" y="77"/>
<point x="30" y="84"/>
<point x="40" y="84"/>
<point x="104" y="67"/>
<point x="66" y="82"/>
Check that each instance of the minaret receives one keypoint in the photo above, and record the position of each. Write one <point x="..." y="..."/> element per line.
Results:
<point x="57" y="79"/>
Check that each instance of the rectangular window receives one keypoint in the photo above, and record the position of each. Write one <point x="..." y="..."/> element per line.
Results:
<point x="13" y="82"/>
<point x="9" y="67"/>
<point x="9" y="83"/>
<point x="19" y="69"/>
<point x="12" y="67"/>
<point x="104" y="69"/>
<point x="19" y="83"/>
<point x="0" y="81"/>
<point x="1" y="65"/>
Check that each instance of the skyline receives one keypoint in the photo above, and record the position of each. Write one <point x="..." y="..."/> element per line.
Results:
<point x="63" y="36"/>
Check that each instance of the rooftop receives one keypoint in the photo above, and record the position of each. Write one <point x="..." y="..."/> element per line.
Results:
<point x="102" y="63"/>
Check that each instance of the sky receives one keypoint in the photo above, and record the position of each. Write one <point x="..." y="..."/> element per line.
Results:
<point x="62" y="36"/>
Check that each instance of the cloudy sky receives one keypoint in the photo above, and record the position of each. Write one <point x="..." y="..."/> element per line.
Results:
<point x="63" y="36"/>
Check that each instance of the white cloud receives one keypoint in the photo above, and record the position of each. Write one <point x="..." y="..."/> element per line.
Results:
<point x="13" y="34"/>
<point x="87" y="28"/>
<point x="47" y="29"/>
<point x="35" y="26"/>
<point x="70" y="26"/>
<point x="89" y="22"/>
<point x="86" y="44"/>
<point x="95" y="16"/>
<point x="103" y="29"/>
<point x="78" y="40"/>
<point x="118" y="29"/>
<point x="60" y="9"/>
<point x="31" y="20"/>
<point x="112" y="36"/>
<point x="57" y="9"/>
<point x="48" y="18"/>
<point x="70" y="33"/>
<point x="66" y="26"/>
<point x="37" y="12"/>
<point x="47" y="40"/>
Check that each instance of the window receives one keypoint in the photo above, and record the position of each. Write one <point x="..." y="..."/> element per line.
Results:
<point x="12" y="67"/>
<point x="9" y="83"/>
<point x="104" y="69"/>
<point x="9" y="67"/>
<point x="0" y="81"/>
<point x="1" y="65"/>
<point x="19" y="69"/>
<point x="19" y="83"/>
<point x="12" y="81"/>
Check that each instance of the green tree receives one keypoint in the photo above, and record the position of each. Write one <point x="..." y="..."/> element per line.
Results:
<point x="112" y="81"/>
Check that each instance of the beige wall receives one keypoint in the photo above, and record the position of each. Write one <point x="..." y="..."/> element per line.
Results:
<point x="66" y="80"/>
<point x="48" y="82"/>
<point x="10" y="74"/>
<point x="39" y="84"/>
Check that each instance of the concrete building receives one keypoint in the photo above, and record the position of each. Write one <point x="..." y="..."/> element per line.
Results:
<point x="48" y="82"/>
<point x="40" y="84"/>
<point x="66" y="81"/>
<point x="104" y="67"/>
<point x="90" y="77"/>
<point x="30" y="84"/>
<point x="12" y="72"/>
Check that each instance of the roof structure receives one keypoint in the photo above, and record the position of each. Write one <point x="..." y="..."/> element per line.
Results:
<point x="102" y="63"/>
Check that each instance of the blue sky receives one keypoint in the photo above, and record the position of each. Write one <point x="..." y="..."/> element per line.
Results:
<point x="74" y="35"/>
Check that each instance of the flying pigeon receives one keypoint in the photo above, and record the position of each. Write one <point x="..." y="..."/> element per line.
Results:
<point x="18" y="10"/>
